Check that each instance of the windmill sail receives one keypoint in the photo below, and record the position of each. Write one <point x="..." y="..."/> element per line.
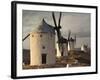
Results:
<point x="75" y="39"/>
<point x="54" y="19"/>
<point x="26" y="37"/>
<point x="69" y="33"/>
<point x="59" y="20"/>
<point x="57" y="28"/>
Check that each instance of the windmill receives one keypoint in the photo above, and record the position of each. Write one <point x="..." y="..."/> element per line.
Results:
<point x="40" y="51"/>
<point x="57" y="29"/>
<point x="69" y="33"/>
<point x="71" y="41"/>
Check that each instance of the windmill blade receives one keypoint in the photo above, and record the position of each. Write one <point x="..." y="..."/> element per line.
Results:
<point x="26" y="37"/>
<point x="54" y="19"/>
<point x="59" y="20"/>
<point x="58" y="32"/>
<point x="75" y="39"/>
<point x="69" y="33"/>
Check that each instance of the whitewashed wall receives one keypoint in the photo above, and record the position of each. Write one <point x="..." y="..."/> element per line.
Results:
<point x="36" y="44"/>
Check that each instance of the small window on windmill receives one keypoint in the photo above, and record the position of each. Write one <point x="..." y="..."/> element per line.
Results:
<point x="43" y="47"/>
<point x="44" y="58"/>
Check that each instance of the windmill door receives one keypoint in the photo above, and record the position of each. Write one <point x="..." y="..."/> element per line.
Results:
<point x="44" y="58"/>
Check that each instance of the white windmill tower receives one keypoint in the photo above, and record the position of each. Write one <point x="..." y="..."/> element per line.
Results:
<point x="71" y="42"/>
<point x="42" y="45"/>
<point x="84" y="48"/>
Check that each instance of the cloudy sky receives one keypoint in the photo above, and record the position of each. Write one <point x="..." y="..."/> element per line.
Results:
<point x="78" y="23"/>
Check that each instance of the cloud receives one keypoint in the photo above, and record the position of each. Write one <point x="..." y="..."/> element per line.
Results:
<point x="76" y="22"/>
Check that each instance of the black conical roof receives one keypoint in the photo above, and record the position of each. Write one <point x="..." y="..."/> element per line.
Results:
<point x="44" y="27"/>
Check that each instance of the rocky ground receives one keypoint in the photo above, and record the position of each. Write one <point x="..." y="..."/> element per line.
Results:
<point x="74" y="59"/>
